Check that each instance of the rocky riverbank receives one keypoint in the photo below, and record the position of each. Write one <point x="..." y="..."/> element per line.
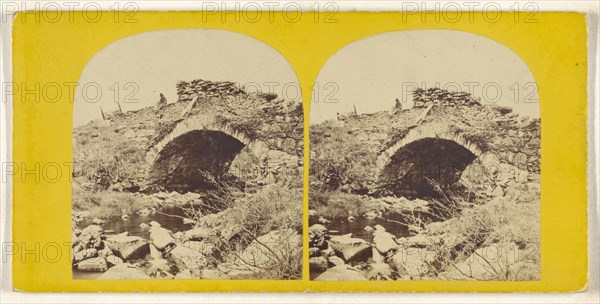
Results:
<point x="473" y="245"/>
<point x="213" y="247"/>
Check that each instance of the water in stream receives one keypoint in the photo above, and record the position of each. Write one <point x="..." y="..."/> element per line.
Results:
<point x="169" y="217"/>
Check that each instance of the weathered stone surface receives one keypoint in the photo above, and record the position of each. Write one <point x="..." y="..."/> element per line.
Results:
<point x="84" y="254"/>
<point x="414" y="265"/>
<point x="270" y="248"/>
<point x="128" y="247"/>
<point x="93" y="265"/>
<point x="380" y="271"/>
<point x="384" y="241"/>
<point x="351" y="249"/>
<point x="318" y="236"/>
<point x="91" y="236"/>
<point x="318" y="263"/>
<point x="186" y="258"/>
<point x="124" y="272"/>
<point x="161" y="237"/>
<point x="341" y="273"/>
<point x="114" y="260"/>
<point x="203" y="247"/>
<point x="196" y="234"/>
<point x="184" y="274"/>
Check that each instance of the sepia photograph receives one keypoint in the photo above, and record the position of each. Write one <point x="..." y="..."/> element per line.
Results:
<point x="188" y="155"/>
<point x="425" y="161"/>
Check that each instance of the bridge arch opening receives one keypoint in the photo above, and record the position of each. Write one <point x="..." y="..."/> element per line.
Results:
<point x="194" y="161"/>
<point x="416" y="169"/>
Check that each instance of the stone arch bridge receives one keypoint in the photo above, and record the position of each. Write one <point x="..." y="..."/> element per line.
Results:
<point x="410" y="152"/>
<point x="214" y="131"/>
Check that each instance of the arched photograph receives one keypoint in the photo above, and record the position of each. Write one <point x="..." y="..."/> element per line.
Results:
<point x="188" y="156"/>
<point x="425" y="161"/>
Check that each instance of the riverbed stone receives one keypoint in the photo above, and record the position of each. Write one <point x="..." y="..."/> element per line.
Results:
<point x="183" y="275"/>
<point x="276" y="245"/>
<point x="161" y="237"/>
<point x="351" y="249"/>
<point x="128" y="247"/>
<point x="318" y="263"/>
<point x="196" y="234"/>
<point x="186" y="258"/>
<point x="84" y="254"/>
<point x="318" y="236"/>
<point x="124" y="272"/>
<point x="96" y="264"/>
<point x="91" y="236"/>
<point x="380" y="271"/>
<point x="203" y="247"/>
<point x="341" y="273"/>
<point x="384" y="241"/>
<point x="114" y="260"/>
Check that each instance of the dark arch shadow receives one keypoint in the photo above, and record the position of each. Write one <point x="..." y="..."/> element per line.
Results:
<point x="417" y="168"/>
<point x="194" y="161"/>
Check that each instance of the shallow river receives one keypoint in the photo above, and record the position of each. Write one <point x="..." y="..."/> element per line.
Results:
<point x="168" y="217"/>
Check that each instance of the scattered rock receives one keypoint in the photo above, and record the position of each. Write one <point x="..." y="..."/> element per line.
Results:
<point x="203" y="247"/>
<point x="318" y="236"/>
<point x="97" y="221"/>
<point x="318" y="263"/>
<point x="498" y="192"/>
<point x="269" y="248"/>
<point x="341" y="273"/>
<point x="93" y="265"/>
<point x="114" y="260"/>
<point x="124" y="272"/>
<point x="161" y="237"/>
<point x="129" y="134"/>
<point x="184" y="274"/>
<point x="384" y="241"/>
<point x="351" y="249"/>
<point x="128" y="247"/>
<point x="186" y="258"/>
<point x="324" y="221"/>
<point x="84" y="254"/>
<point x="196" y="234"/>
<point x="91" y="236"/>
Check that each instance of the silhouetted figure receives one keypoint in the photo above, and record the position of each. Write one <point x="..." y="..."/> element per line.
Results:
<point x="398" y="105"/>
<point x="162" y="102"/>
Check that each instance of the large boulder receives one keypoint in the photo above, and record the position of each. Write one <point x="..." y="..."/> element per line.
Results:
<point x="91" y="236"/>
<point x="84" y="254"/>
<point x="413" y="264"/>
<point x="351" y="249"/>
<point x="124" y="272"/>
<point x="318" y="263"/>
<point x="128" y="247"/>
<point x="341" y="273"/>
<point x="161" y="237"/>
<point x="270" y="248"/>
<point x="186" y="258"/>
<point x="203" y="247"/>
<point x="497" y="262"/>
<point x="93" y="265"/>
<point x="384" y="241"/>
<point x="196" y="234"/>
<point x="318" y="236"/>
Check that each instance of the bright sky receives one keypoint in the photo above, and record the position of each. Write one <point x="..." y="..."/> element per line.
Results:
<point x="372" y="72"/>
<point x="147" y="64"/>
